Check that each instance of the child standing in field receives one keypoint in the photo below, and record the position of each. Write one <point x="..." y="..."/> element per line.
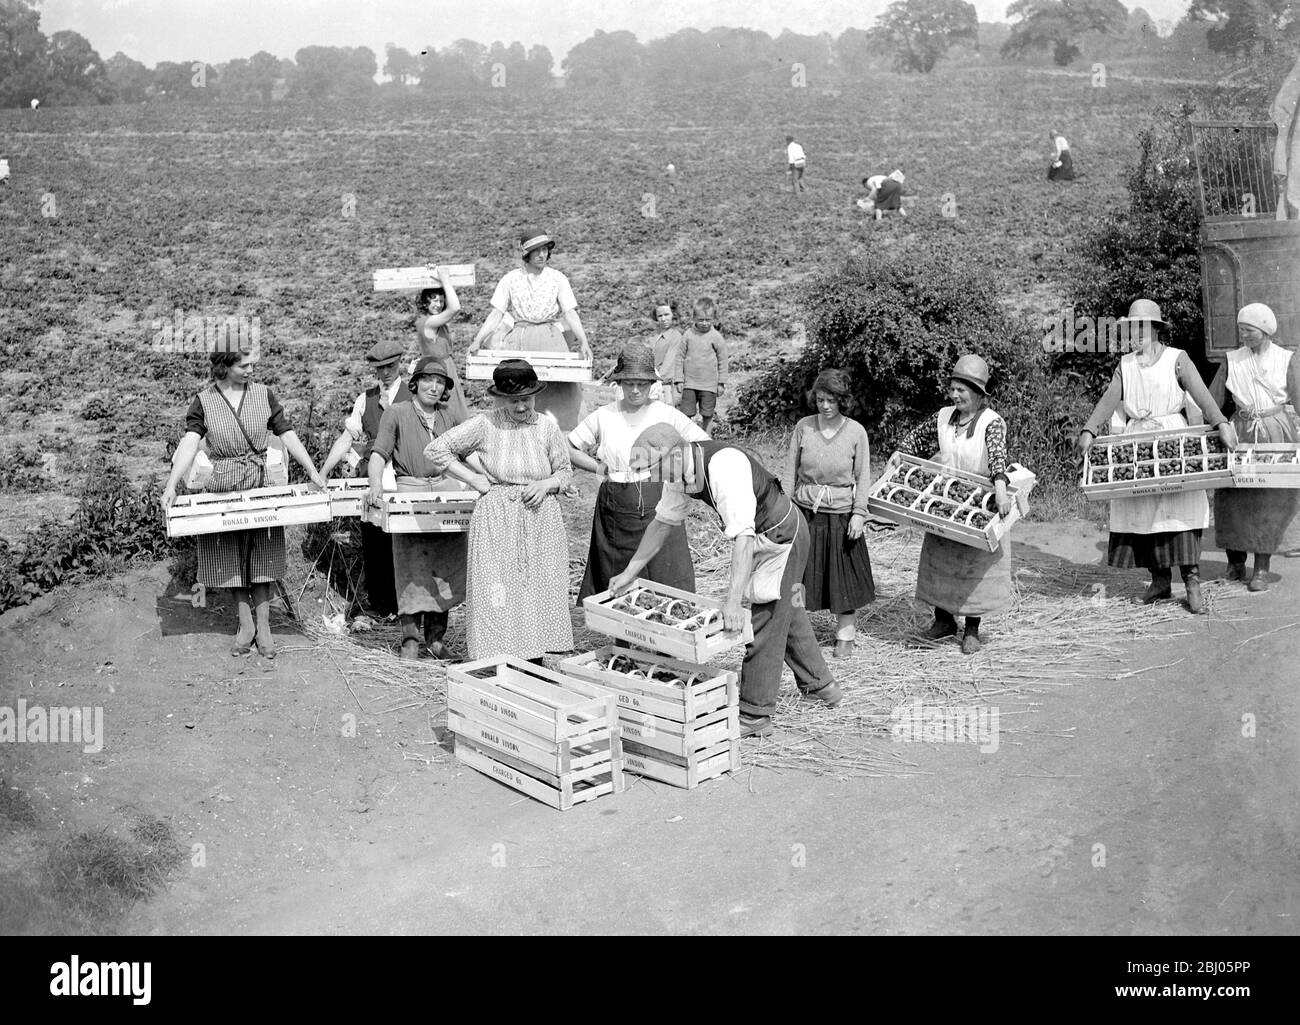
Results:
<point x="701" y="371"/>
<point x="666" y="343"/>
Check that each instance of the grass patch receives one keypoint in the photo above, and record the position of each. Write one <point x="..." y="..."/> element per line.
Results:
<point x="104" y="874"/>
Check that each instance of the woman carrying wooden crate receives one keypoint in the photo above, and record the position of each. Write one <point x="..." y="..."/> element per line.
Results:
<point x="625" y="503"/>
<point x="428" y="569"/>
<point x="1150" y="388"/>
<point x="957" y="579"/>
<point x="236" y="415"/>
<point x="540" y="302"/>
<point x="518" y="584"/>
<point x="1259" y="379"/>
<point x="828" y="474"/>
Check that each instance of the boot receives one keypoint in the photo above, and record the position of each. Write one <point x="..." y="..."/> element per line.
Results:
<point x="410" y="635"/>
<point x="435" y="627"/>
<point x="843" y="648"/>
<point x="262" y="610"/>
<point x="1237" y="564"/>
<point x="1192" y="581"/>
<point x="1160" y="586"/>
<point x="944" y="625"/>
<point x="1259" y="579"/>
<point x="970" y="642"/>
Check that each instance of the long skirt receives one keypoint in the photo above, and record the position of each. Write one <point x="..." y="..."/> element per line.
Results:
<point x="962" y="580"/>
<point x="837" y="576"/>
<point x="561" y="399"/>
<point x="377" y="556"/>
<point x="1164" y="550"/>
<point x="1064" y="173"/>
<point x="1256" y="519"/>
<point x="241" y="558"/>
<point x="623" y="511"/>
<point x="518" y="585"/>
<point x="429" y="571"/>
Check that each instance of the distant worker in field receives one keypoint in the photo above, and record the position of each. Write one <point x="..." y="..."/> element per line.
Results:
<point x="700" y="373"/>
<point x="884" y="192"/>
<point x="4" y="171"/>
<point x="35" y="103"/>
<point x="1062" y="169"/>
<point x="797" y="161"/>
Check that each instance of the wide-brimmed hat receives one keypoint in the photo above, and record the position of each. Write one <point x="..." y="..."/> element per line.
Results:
<point x="635" y="363"/>
<point x="973" y="371"/>
<point x="383" y="353"/>
<point x="514" y="379"/>
<point x="1141" y="310"/>
<point x="1258" y="315"/>
<point x="531" y="239"/>
<point x="428" y="366"/>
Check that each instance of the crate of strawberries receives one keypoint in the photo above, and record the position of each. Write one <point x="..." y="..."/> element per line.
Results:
<point x="665" y="619"/>
<point x="1156" y="462"/>
<point x="952" y="503"/>
<point x="1271" y="465"/>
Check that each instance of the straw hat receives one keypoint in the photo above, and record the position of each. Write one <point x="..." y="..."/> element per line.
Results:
<point x="530" y="240"/>
<point x="636" y="363"/>
<point x="972" y="370"/>
<point x="1143" y="310"/>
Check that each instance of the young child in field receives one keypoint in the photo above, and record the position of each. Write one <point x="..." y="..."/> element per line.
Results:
<point x="701" y="371"/>
<point x="666" y="342"/>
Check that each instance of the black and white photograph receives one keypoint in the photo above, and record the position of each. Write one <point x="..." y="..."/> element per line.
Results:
<point x="581" y="469"/>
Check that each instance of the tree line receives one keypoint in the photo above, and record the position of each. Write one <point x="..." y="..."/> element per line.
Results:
<point x="910" y="35"/>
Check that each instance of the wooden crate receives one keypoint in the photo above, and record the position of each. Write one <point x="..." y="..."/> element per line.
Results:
<point x="708" y="689"/>
<point x="550" y="366"/>
<point x="1119" y="454"/>
<point x="1265" y="465"/>
<point x="699" y="644"/>
<point x="427" y="512"/>
<point x="394" y="279"/>
<point x="347" y="496"/>
<point x="689" y="771"/>
<point x="551" y="736"/>
<point x="246" y="510"/>
<point x="969" y="496"/>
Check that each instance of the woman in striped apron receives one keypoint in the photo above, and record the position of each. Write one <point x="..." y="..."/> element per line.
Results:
<point x="1260" y="378"/>
<point x="540" y="302"/>
<point x="236" y="416"/>
<point x="1150" y="388"/>
<point x="957" y="579"/>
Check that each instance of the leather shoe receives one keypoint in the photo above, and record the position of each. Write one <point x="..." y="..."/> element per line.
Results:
<point x="1236" y="571"/>
<point x="755" y="725"/>
<point x="843" y="649"/>
<point x="1258" y="582"/>
<point x="829" y="695"/>
<point x="938" y="630"/>
<point x="970" y="644"/>
<point x="410" y="649"/>
<point x="1156" y="591"/>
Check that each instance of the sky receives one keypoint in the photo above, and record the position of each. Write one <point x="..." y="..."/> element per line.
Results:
<point x="215" y="31"/>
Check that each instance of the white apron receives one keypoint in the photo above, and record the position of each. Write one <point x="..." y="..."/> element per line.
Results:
<point x="1153" y="400"/>
<point x="1258" y="386"/>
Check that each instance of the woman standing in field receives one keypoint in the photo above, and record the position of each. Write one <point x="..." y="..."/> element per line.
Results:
<point x="518" y="587"/>
<point x="435" y="308"/>
<point x="1259" y="378"/>
<point x="1150" y="387"/>
<point x="625" y="503"/>
<point x="538" y="298"/>
<point x="236" y="415"/>
<point x="1062" y="169"/>
<point x="827" y="475"/>
<point x="957" y="579"/>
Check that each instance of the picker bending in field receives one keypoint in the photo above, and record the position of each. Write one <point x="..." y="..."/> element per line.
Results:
<point x="435" y="308"/>
<point x="625" y="503"/>
<point x="1150" y="388"/>
<point x="537" y="297"/>
<point x="1062" y="169"/>
<point x="828" y="474"/>
<point x="957" y="579"/>
<point x="1259" y="378"/>
<point x="236" y="415"/>
<point x="518" y="587"/>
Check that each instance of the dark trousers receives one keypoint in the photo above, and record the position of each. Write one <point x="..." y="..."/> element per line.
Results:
<point x="377" y="557"/>
<point x="782" y="635"/>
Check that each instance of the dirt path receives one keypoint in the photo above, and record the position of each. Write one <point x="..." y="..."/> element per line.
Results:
<point x="304" y="829"/>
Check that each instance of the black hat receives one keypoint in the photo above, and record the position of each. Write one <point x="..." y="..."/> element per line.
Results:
<point x="428" y="366"/>
<point x="514" y="379"/>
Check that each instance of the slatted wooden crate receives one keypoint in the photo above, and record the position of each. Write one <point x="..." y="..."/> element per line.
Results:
<point x="1265" y="465"/>
<point x="550" y="366"/>
<point x="682" y="733"/>
<point x="427" y="512"/>
<point x="546" y="734"/>
<point x="347" y="496"/>
<point x="634" y="617"/>
<point x="1155" y="463"/>
<point x="394" y="279"/>
<point x="245" y="510"/>
<point x="952" y="503"/>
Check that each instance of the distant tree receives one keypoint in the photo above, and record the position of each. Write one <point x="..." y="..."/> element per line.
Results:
<point x="855" y="52"/>
<point x="265" y="69"/>
<point x="23" y="68"/>
<point x="741" y="53"/>
<point x="685" y="58"/>
<point x="917" y="33"/>
<point x="1059" y="24"/>
<point x="1243" y="26"/>
<point x="813" y="52"/>
<point x="540" y="66"/>
<point x="604" y="60"/>
<point x="174" y="80"/>
<point x="76" y="72"/>
<point x="334" y="71"/>
<point x="993" y="36"/>
<point x="400" y="65"/>
<point x="129" y="79"/>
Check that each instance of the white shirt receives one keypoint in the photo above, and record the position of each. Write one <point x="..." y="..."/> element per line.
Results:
<point x="875" y="181"/>
<point x="608" y="434"/>
<point x="1061" y="145"/>
<point x="732" y="483"/>
<point x="386" y="397"/>
<point x="794" y="153"/>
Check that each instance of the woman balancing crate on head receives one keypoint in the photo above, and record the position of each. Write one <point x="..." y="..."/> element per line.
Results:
<point x="538" y="298"/>
<point x="236" y="416"/>
<point x="1259" y="379"/>
<point x="1151" y="386"/>
<point x="957" y="579"/>
<point x="828" y="474"/>
<point x="625" y="503"/>
<point x="435" y="308"/>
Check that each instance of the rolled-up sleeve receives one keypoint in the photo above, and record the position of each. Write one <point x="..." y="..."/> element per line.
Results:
<point x="732" y="482"/>
<point x="387" y="437"/>
<point x="673" y="505"/>
<point x="278" y="422"/>
<point x="457" y="443"/>
<point x="353" y="423"/>
<point x="995" y="442"/>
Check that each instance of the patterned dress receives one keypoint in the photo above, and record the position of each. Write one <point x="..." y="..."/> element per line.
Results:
<point x="517" y="591"/>
<point x="238" y="558"/>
